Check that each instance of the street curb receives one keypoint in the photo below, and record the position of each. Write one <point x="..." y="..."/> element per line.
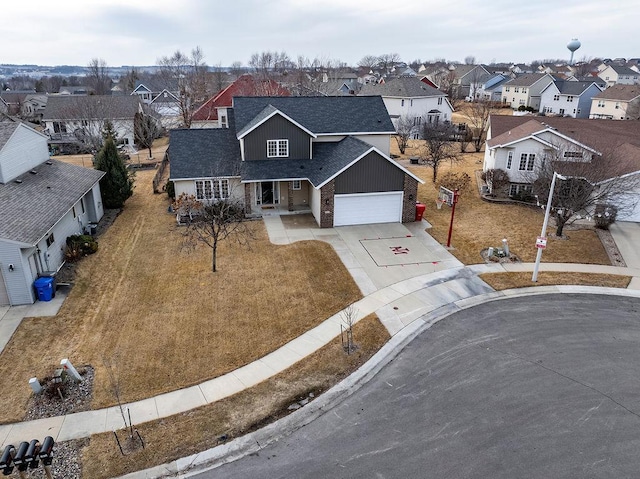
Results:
<point x="253" y="442"/>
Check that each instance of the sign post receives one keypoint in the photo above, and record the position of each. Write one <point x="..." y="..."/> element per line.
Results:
<point x="453" y="212"/>
<point x="541" y="242"/>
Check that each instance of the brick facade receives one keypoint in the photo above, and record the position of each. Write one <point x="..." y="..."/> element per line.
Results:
<point x="409" y="199"/>
<point x="326" y="205"/>
<point x="290" y="195"/>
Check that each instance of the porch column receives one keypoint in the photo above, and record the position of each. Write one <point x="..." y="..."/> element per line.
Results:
<point x="326" y="204"/>
<point x="409" y="199"/>
<point x="247" y="198"/>
<point x="290" y="195"/>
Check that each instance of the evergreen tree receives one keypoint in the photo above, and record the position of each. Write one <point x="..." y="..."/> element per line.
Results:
<point x="117" y="185"/>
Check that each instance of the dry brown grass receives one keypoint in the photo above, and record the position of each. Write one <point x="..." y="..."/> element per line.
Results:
<point x="479" y="224"/>
<point x="159" y="147"/>
<point x="163" y="318"/>
<point x="502" y="281"/>
<point x="197" y="430"/>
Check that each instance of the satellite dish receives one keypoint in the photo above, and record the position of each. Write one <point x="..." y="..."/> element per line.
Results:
<point x="573" y="45"/>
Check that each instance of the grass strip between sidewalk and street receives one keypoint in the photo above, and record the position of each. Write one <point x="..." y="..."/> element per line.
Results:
<point x="184" y="434"/>
<point x="502" y="281"/>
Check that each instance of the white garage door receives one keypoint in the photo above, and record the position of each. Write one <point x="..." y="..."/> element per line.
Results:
<point x="367" y="208"/>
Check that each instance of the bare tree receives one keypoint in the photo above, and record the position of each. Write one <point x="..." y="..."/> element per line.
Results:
<point x="405" y="128"/>
<point x="479" y="112"/>
<point x="603" y="184"/>
<point x="369" y="61"/>
<point x="386" y="61"/>
<point x="633" y="110"/>
<point x="129" y="80"/>
<point x="236" y="69"/>
<point x="219" y="77"/>
<point x="469" y="60"/>
<point x="98" y="76"/>
<point x="212" y="221"/>
<point x="146" y="129"/>
<point x="438" y="146"/>
<point x="350" y="315"/>
<point x="189" y="73"/>
<point x="497" y="180"/>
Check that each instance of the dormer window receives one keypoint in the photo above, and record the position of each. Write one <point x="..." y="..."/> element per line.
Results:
<point x="277" y="148"/>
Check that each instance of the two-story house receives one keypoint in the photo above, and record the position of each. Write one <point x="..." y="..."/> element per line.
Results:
<point x="325" y="155"/>
<point x="524" y="90"/>
<point x="620" y="75"/>
<point x="411" y="98"/>
<point x="568" y="98"/>
<point x="523" y="146"/>
<point x="43" y="202"/>
<point x="618" y="102"/>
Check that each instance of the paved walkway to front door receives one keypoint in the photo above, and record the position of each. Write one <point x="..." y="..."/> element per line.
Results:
<point x="377" y="255"/>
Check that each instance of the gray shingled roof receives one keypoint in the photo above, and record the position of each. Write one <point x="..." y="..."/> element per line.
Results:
<point x="335" y="114"/>
<point x="203" y="153"/>
<point x="576" y="88"/>
<point x="619" y="92"/>
<point x="31" y="208"/>
<point x="527" y="79"/>
<point x="91" y="107"/>
<point x="407" y="87"/>
<point x="6" y="130"/>
<point x="328" y="159"/>
<point x="622" y="70"/>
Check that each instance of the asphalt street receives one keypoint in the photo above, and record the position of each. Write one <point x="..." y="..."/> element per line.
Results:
<point x="531" y="387"/>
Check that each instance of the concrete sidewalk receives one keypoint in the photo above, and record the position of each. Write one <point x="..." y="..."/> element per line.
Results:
<point x="398" y="306"/>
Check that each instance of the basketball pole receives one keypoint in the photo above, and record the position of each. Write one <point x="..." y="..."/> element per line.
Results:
<point x="453" y="212"/>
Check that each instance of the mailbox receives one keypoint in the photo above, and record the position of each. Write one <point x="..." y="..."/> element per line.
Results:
<point x="46" y="451"/>
<point x="19" y="458"/>
<point x="6" y="461"/>
<point x="32" y="454"/>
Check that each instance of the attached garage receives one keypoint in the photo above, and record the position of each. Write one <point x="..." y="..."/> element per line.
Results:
<point x="367" y="208"/>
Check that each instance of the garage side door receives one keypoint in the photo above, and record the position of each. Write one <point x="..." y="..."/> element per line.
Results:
<point x="367" y="208"/>
<point x="4" y="297"/>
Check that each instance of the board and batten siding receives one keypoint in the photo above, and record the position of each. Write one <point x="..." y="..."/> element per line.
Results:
<point x="25" y="150"/>
<point x="372" y="174"/>
<point x="277" y="128"/>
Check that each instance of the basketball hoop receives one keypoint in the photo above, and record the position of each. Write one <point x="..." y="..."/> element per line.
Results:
<point x="439" y="203"/>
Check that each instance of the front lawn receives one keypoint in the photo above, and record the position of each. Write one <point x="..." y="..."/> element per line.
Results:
<point x="160" y="320"/>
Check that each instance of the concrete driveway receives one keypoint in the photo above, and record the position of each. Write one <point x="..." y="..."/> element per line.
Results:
<point x="627" y="237"/>
<point x="377" y="255"/>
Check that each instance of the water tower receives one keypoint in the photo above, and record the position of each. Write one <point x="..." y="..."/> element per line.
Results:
<point x="573" y="45"/>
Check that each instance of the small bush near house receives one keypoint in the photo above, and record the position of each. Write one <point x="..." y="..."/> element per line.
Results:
<point x="170" y="188"/>
<point x="605" y="216"/>
<point x="79" y="246"/>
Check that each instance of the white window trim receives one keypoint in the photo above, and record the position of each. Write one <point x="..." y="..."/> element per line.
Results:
<point x="296" y="185"/>
<point x="212" y="190"/>
<point x="277" y="148"/>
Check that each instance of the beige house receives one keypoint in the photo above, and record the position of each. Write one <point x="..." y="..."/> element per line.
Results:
<point x="618" y="102"/>
<point x="525" y="90"/>
<point x="620" y="75"/>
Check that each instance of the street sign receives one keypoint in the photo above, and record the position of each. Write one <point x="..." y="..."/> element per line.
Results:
<point x="541" y="242"/>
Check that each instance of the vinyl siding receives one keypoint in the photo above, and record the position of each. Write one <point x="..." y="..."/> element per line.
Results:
<point x="19" y="281"/>
<point x="277" y="128"/>
<point x="25" y="150"/>
<point x="371" y="174"/>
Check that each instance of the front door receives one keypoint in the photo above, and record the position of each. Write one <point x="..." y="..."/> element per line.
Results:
<point x="267" y="193"/>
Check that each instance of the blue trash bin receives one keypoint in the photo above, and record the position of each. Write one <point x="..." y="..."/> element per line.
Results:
<point x="44" y="288"/>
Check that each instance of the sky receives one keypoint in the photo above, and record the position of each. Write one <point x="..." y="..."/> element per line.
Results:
<point x="133" y="32"/>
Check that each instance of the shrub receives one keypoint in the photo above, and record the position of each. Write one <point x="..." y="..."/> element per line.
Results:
<point x="79" y="246"/>
<point x="605" y="216"/>
<point x="170" y="188"/>
<point x="452" y="180"/>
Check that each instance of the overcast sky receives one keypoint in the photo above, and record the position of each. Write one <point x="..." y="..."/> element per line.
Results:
<point x="133" y="32"/>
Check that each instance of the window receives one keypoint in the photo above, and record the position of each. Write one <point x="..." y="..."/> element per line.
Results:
<point x="617" y="105"/>
<point x="570" y="98"/>
<point x="73" y="210"/>
<point x="295" y="184"/>
<point x="561" y="112"/>
<point x="521" y="102"/>
<point x="223" y="121"/>
<point x="526" y="161"/>
<point x="556" y="97"/>
<point x="50" y="240"/>
<point x="524" y="90"/>
<point x="548" y="109"/>
<point x="516" y="89"/>
<point x="578" y="111"/>
<point x="509" y="160"/>
<point x="401" y="102"/>
<point x="277" y="148"/>
<point x="600" y="103"/>
<point x="411" y="102"/>
<point x="507" y="89"/>
<point x="440" y="101"/>
<point x="212" y="189"/>
<point x="519" y="188"/>
<point x="572" y="154"/>
<point x="417" y="121"/>
<point x="82" y="204"/>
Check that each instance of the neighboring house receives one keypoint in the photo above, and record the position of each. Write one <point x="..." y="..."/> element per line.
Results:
<point x="43" y="202"/>
<point x="468" y="80"/>
<point x="14" y="99"/>
<point x="213" y="112"/>
<point x="167" y="106"/>
<point x="491" y="89"/>
<point x="524" y="90"/>
<point x="33" y="107"/>
<point x="620" y="75"/>
<point x="412" y="98"/>
<point x="76" y="90"/>
<point x="325" y="155"/>
<point x="522" y="145"/>
<point x="618" y="102"/>
<point x="80" y="119"/>
<point x="568" y="98"/>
